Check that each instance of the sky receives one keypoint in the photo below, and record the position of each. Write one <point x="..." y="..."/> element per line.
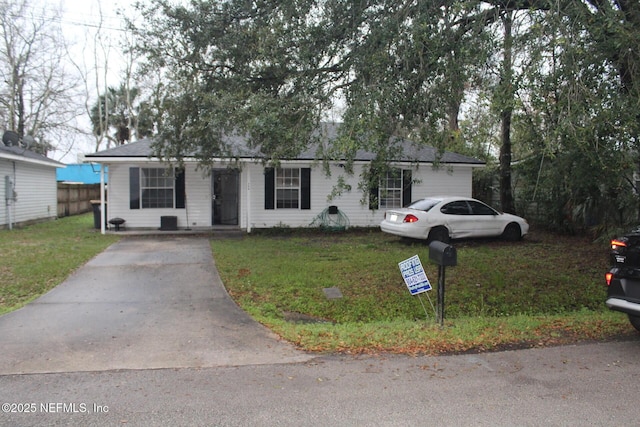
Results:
<point x="80" y="22"/>
<point x="83" y="19"/>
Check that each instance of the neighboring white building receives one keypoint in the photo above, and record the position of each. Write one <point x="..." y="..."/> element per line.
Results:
<point x="245" y="194"/>
<point x="29" y="187"/>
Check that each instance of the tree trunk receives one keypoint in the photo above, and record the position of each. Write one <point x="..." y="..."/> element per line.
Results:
<point x="506" y="94"/>
<point x="20" y="105"/>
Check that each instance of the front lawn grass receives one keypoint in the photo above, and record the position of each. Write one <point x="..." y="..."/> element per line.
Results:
<point x="544" y="290"/>
<point x="36" y="258"/>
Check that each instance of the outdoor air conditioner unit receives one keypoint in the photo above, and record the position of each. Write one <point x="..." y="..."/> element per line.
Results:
<point x="168" y="223"/>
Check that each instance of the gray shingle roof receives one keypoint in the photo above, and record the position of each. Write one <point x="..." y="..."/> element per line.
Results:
<point x="410" y="152"/>
<point x="140" y="148"/>
<point x="27" y="155"/>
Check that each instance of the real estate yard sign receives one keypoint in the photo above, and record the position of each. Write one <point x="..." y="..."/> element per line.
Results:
<point x="414" y="275"/>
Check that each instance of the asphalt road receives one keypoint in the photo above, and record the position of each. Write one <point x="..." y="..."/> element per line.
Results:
<point x="584" y="385"/>
<point x="145" y="335"/>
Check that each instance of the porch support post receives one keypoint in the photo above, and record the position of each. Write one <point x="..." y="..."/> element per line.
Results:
<point x="102" y="200"/>
<point x="248" y="202"/>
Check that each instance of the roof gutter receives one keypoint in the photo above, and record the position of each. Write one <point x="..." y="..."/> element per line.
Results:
<point x="121" y="159"/>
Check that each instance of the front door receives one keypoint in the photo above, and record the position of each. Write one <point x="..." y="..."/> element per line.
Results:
<point x="224" y="187"/>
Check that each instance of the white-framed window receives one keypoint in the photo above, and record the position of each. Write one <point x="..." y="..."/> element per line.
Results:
<point x="157" y="187"/>
<point x="287" y="188"/>
<point x="390" y="190"/>
<point x="393" y="190"/>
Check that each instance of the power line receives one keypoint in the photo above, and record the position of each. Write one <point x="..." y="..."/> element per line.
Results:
<point x="91" y="25"/>
<point x="77" y="20"/>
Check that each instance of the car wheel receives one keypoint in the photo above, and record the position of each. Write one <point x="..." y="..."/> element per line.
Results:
<point x="512" y="232"/>
<point x="439" y="233"/>
<point x="635" y="321"/>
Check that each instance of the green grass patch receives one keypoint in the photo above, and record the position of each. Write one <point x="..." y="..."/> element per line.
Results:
<point x="36" y="258"/>
<point x="543" y="290"/>
<point x="469" y="334"/>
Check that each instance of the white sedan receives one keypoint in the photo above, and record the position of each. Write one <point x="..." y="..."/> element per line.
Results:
<point x="445" y="218"/>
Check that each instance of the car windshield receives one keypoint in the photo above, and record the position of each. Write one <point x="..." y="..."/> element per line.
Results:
<point x="424" y="204"/>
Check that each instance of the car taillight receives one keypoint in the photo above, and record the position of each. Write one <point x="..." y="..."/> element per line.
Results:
<point x="615" y="244"/>
<point x="410" y="218"/>
<point x="608" y="277"/>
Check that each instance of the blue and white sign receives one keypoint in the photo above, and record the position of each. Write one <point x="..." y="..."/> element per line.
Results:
<point x="414" y="275"/>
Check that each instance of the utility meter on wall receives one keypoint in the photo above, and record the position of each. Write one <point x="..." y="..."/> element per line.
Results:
<point x="9" y="189"/>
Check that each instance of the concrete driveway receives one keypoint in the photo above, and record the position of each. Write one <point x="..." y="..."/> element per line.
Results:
<point x="152" y="302"/>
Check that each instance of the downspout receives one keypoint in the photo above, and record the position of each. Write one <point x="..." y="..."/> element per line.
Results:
<point x="102" y="201"/>
<point x="7" y="205"/>
<point x="10" y="195"/>
<point x="12" y="199"/>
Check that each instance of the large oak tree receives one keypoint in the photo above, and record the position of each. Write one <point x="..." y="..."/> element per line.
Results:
<point x="273" y="70"/>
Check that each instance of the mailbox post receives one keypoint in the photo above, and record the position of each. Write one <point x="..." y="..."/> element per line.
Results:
<point x="445" y="256"/>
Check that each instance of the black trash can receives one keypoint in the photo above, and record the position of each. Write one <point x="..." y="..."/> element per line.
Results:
<point x="95" y="204"/>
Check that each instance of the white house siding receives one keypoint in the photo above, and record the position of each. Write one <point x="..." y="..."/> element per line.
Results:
<point x="198" y="199"/>
<point x="446" y="180"/>
<point x="36" y="188"/>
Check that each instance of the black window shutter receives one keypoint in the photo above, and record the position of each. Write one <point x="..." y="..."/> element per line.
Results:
<point x="406" y="187"/>
<point x="269" y="188"/>
<point x="374" y="189"/>
<point x="134" y="188"/>
<point x="305" y="188"/>
<point x="180" y="188"/>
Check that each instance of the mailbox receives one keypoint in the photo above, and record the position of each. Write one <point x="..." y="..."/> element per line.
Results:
<point x="445" y="256"/>
<point x="442" y="254"/>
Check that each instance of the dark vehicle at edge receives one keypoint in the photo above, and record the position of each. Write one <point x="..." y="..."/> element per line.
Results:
<point x="623" y="278"/>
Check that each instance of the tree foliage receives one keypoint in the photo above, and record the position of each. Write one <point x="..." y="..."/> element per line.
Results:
<point x="577" y="121"/>
<point x="119" y="117"/>
<point x="549" y="85"/>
